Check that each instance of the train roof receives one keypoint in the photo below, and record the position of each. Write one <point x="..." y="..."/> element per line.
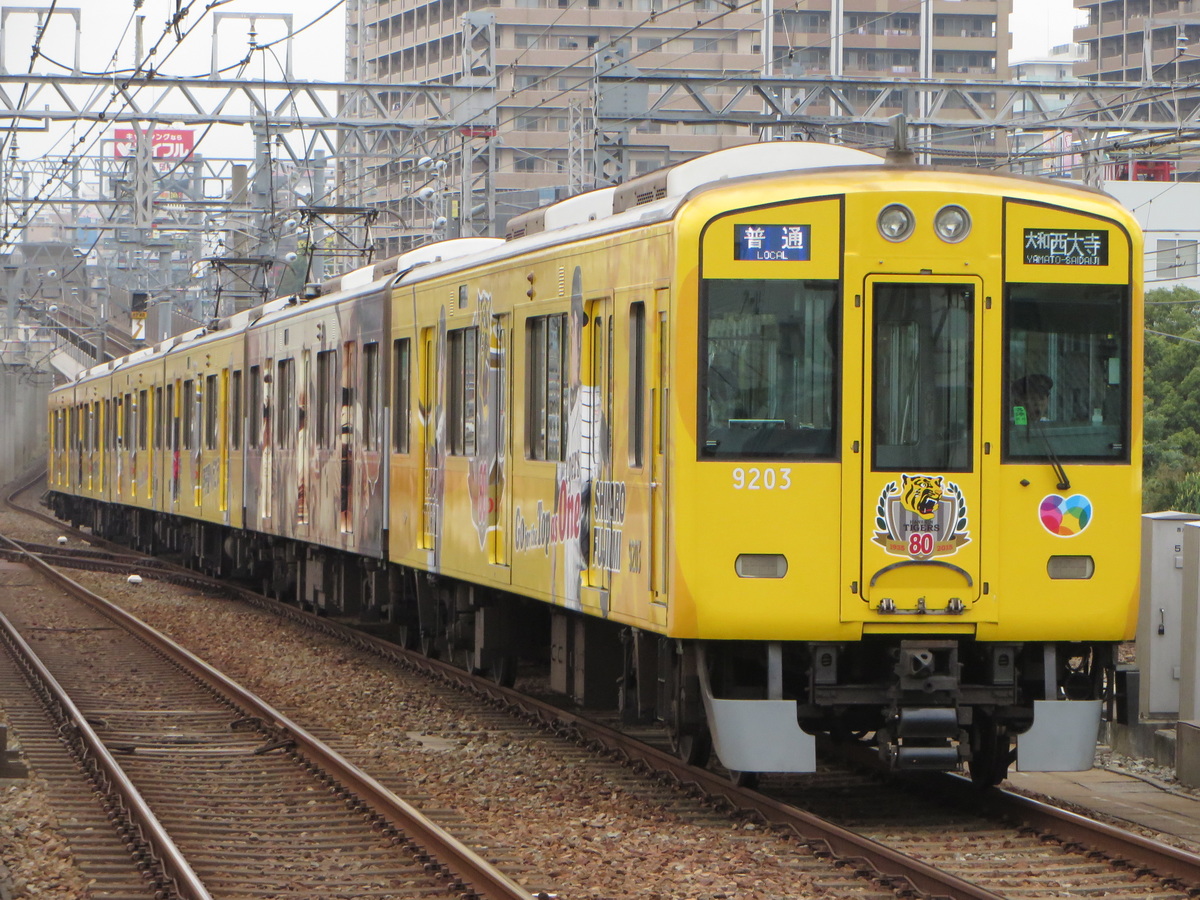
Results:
<point x="650" y="198"/>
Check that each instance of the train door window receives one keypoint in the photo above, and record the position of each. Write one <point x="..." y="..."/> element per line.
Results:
<point x="212" y="411"/>
<point x="158" y="418"/>
<point x="462" y="385"/>
<point x="172" y="415"/>
<point x="344" y="398"/>
<point x="189" y="415"/>
<point x="768" y="369"/>
<point x="401" y="393"/>
<point x="254" y="421"/>
<point x="143" y="420"/>
<point x="326" y="391"/>
<point x="235" y="410"/>
<point x="545" y="338"/>
<point x="370" y="398"/>
<point x="285" y="395"/>
<point x="129" y="422"/>
<point x="923" y="377"/>
<point x="1066" y="372"/>
<point x="637" y="383"/>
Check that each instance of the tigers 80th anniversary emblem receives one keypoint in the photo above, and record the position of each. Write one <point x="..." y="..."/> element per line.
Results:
<point x="921" y="517"/>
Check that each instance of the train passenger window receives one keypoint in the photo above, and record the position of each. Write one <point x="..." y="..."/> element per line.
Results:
<point x="327" y="374"/>
<point x="370" y="396"/>
<point x="923" y="363"/>
<point x="1066" y="372"/>
<point x="235" y="410"/>
<point x="462" y="387"/>
<point x="637" y="383"/>
<point x="546" y="397"/>
<point x="212" y="411"/>
<point x="189" y="415"/>
<point x="285" y="395"/>
<point x="159" y="415"/>
<point x="401" y="393"/>
<point x="255" y="406"/>
<point x="769" y="366"/>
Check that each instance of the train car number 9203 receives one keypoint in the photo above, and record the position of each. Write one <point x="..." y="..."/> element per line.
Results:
<point x="766" y="479"/>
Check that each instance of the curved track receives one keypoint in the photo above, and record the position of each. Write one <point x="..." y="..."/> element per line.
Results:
<point x="213" y="788"/>
<point x="964" y="843"/>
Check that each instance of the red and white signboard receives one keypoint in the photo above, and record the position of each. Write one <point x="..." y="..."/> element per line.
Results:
<point x="165" y="143"/>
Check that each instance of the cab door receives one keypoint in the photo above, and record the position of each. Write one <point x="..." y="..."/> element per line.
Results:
<point x="922" y="448"/>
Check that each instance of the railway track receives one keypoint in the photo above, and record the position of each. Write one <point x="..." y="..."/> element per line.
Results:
<point x="212" y="790"/>
<point x="896" y="840"/>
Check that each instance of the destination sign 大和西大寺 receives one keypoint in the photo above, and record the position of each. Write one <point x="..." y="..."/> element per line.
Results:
<point x="774" y="243"/>
<point x="1065" y="247"/>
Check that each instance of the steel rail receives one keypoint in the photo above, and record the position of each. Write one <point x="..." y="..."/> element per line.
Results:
<point x="172" y="862"/>
<point x="889" y="865"/>
<point x="448" y="854"/>
<point x="1162" y="859"/>
<point x="1147" y="853"/>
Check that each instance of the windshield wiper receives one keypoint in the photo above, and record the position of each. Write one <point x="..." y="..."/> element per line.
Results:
<point x="1064" y="483"/>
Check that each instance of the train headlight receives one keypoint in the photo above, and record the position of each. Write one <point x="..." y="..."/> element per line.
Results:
<point x="1070" y="567"/>
<point x="952" y="224"/>
<point x="896" y="222"/>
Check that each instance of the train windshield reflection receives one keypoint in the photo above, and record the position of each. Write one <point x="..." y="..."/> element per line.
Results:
<point x="768" y="369"/>
<point x="1066" y="371"/>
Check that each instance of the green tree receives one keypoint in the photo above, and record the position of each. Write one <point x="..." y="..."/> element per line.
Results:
<point x="1171" y="468"/>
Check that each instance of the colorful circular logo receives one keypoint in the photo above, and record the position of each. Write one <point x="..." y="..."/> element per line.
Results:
<point x="1065" y="516"/>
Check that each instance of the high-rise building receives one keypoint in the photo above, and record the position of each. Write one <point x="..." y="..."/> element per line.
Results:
<point x="1131" y="40"/>
<point x="1127" y="41"/>
<point x="544" y="54"/>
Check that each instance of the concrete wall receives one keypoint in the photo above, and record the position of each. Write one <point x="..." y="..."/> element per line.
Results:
<point x="23" y="398"/>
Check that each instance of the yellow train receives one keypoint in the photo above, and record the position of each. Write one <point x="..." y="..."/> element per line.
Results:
<point x="783" y="440"/>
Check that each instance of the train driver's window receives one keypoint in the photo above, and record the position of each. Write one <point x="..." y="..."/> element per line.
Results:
<point x="768" y="369"/>
<point x="1066" y="372"/>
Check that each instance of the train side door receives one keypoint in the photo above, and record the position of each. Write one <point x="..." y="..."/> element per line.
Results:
<point x="659" y="483"/>
<point x="496" y="443"/>
<point x="596" y="407"/>
<point x="922" y="448"/>
<point x="430" y="439"/>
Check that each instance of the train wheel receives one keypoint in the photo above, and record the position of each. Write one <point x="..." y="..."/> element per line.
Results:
<point x="990" y="753"/>
<point x="744" y="779"/>
<point x="503" y="671"/>
<point x="690" y="737"/>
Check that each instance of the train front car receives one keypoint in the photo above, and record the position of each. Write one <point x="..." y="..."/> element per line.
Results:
<point x="905" y="498"/>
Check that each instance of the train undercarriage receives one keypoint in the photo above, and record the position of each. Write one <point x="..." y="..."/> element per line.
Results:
<point x="928" y="703"/>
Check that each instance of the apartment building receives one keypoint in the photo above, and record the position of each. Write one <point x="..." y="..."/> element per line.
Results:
<point x="544" y="52"/>
<point x="1139" y="40"/>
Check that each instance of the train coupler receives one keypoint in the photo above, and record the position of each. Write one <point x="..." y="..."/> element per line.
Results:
<point x="928" y="738"/>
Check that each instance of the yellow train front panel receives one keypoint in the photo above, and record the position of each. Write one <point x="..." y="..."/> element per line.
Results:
<point x="860" y="456"/>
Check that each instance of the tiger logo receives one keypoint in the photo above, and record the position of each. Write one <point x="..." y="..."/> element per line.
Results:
<point x="921" y="493"/>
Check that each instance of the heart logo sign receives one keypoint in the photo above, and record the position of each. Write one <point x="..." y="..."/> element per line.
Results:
<point x="1065" y="516"/>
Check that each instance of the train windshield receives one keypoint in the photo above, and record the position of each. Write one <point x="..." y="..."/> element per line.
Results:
<point x="1066" y="371"/>
<point x="768" y="369"/>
